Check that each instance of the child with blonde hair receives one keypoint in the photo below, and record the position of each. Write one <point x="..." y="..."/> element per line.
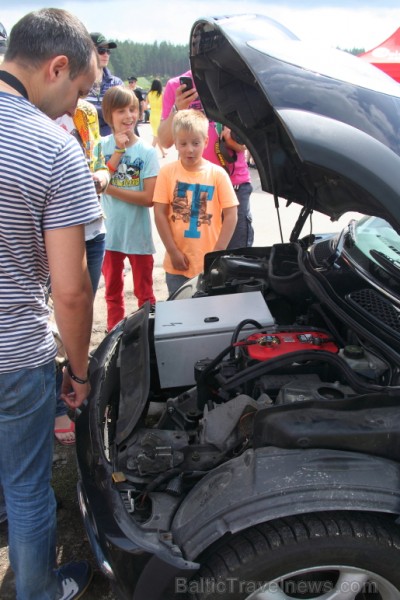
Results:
<point x="195" y="205"/>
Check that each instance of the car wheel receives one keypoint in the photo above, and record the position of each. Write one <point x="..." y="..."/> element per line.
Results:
<point x="326" y="556"/>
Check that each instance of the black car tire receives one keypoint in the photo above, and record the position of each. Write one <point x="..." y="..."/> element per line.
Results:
<point x="358" y="553"/>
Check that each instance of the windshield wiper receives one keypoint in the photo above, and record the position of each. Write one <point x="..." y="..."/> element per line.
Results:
<point x="391" y="265"/>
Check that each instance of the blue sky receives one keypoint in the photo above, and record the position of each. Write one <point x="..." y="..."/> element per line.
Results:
<point x="361" y="24"/>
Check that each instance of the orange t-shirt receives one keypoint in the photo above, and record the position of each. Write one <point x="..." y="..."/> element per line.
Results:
<point x="196" y="200"/>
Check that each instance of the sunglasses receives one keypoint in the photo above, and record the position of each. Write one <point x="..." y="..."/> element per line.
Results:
<point x="103" y="51"/>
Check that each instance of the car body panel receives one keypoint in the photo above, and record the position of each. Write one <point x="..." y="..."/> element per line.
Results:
<point x="271" y="483"/>
<point x="248" y="80"/>
<point x="366" y="171"/>
<point x="134" y="373"/>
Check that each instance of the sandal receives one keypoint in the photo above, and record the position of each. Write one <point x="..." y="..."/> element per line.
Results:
<point x="61" y="430"/>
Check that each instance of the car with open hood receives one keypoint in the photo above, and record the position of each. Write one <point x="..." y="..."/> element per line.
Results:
<point x="243" y="442"/>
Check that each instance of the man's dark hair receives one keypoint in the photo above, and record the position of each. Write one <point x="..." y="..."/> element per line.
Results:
<point x="49" y="32"/>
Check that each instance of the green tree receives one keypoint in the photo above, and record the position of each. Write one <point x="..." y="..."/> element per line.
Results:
<point x="355" y="51"/>
<point x="160" y="59"/>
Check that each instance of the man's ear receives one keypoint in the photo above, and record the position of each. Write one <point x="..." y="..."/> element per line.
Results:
<point x="206" y="142"/>
<point x="58" y="66"/>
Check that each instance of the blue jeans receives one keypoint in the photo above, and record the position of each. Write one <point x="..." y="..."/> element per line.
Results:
<point x="3" y="512"/>
<point x="61" y="407"/>
<point x="95" y="249"/>
<point x="243" y="236"/>
<point x="27" y="411"/>
<point x="174" y="282"/>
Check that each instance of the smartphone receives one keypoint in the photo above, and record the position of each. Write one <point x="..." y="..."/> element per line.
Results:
<point x="188" y="81"/>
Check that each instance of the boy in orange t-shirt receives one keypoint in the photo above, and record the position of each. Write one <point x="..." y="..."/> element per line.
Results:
<point x="195" y="205"/>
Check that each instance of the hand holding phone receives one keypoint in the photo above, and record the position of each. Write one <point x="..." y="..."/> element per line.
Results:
<point x="188" y="81"/>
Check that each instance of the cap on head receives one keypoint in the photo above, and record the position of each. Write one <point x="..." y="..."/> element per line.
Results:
<point x="3" y="39"/>
<point x="132" y="78"/>
<point x="99" y="40"/>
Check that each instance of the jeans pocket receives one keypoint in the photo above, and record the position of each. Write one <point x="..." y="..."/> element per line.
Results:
<point x="20" y="390"/>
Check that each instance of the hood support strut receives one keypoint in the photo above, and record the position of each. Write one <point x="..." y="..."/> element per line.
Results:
<point x="276" y="199"/>
<point x="305" y="212"/>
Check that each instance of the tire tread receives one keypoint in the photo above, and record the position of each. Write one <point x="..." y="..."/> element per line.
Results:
<point x="240" y="551"/>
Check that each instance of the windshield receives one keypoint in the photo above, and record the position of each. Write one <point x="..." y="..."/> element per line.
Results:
<point x="374" y="237"/>
<point x="372" y="246"/>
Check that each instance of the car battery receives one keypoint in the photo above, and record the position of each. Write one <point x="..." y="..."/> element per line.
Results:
<point x="192" y="329"/>
<point x="264" y="347"/>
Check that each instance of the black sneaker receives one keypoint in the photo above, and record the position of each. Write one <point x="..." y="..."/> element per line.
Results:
<point x="74" y="579"/>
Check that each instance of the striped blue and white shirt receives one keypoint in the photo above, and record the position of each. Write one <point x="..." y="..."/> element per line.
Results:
<point x="44" y="184"/>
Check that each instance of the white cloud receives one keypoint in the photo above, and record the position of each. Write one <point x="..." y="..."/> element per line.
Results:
<point x="365" y="25"/>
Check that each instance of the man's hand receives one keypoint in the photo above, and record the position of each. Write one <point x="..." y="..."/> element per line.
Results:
<point x="72" y="294"/>
<point x="73" y="393"/>
<point x="101" y="179"/>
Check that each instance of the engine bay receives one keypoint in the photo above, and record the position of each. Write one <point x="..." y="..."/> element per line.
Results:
<point x="318" y="375"/>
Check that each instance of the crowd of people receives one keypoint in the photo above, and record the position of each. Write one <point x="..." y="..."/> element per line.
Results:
<point x="80" y="207"/>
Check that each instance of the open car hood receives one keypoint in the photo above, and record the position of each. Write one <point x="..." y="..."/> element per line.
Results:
<point x="322" y="126"/>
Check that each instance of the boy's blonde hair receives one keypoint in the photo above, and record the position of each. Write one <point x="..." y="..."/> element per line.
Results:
<point x="116" y="97"/>
<point x="190" y="120"/>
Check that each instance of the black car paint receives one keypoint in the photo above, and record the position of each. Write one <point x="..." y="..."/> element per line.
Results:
<point x="244" y="81"/>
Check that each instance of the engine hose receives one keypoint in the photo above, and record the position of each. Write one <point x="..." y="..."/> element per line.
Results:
<point x="231" y="348"/>
<point x="264" y="367"/>
<point x="214" y="363"/>
<point x="162" y="478"/>
<point x="318" y="308"/>
<point x="237" y="331"/>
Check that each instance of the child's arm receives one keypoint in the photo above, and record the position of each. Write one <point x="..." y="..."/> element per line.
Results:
<point x="144" y="198"/>
<point x="228" y="227"/>
<point x="178" y="259"/>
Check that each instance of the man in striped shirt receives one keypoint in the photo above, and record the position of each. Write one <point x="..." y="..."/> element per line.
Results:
<point x="46" y="197"/>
